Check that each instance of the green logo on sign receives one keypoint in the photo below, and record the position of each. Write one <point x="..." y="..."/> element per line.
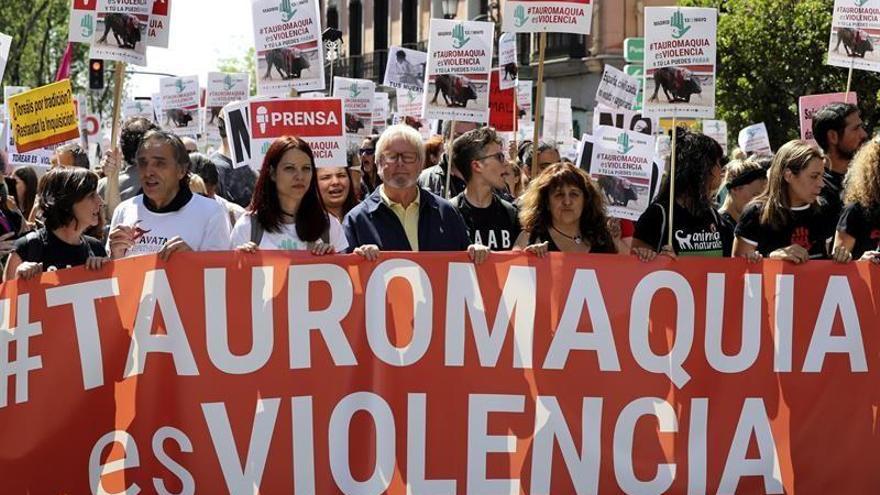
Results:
<point x="519" y="16"/>
<point x="459" y="39"/>
<point x="140" y="107"/>
<point x="355" y="90"/>
<point x="623" y="146"/>
<point x="679" y="26"/>
<point x="265" y="148"/>
<point x="88" y="26"/>
<point x="287" y="11"/>
<point x="411" y="95"/>
<point x="180" y="85"/>
<point x="228" y="82"/>
<point x="860" y="3"/>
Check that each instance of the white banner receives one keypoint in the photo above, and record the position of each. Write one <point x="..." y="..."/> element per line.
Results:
<point x="754" y="139"/>
<point x="561" y="16"/>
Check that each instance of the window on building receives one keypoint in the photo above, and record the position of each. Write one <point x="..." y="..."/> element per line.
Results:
<point x="410" y="22"/>
<point x="380" y="24"/>
<point x="333" y="17"/>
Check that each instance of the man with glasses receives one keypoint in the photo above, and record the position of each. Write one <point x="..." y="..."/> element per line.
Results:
<point x="839" y="130"/>
<point x="479" y="157"/>
<point x="401" y="216"/>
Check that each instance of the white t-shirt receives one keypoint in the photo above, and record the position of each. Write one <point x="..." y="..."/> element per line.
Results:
<point x="202" y="223"/>
<point x="286" y="238"/>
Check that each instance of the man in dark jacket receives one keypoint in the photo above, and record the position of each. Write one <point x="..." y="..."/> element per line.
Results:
<point x="839" y="131"/>
<point x="401" y="216"/>
<point x="434" y="178"/>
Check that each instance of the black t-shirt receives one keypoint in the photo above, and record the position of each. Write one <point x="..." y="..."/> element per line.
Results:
<point x="495" y="226"/>
<point x="728" y="220"/>
<point x="42" y="246"/>
<point x="864" y="225"/>
<point x="703" y="235"/>
<point x="810" y="227"/>
<point x="832" y="192"/>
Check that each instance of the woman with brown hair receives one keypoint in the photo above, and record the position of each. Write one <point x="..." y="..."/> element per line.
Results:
<point x="858" y="230"/>
<point x="743" y="180"/>
<point x="563" y="211"/>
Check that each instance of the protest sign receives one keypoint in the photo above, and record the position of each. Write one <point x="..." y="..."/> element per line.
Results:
<point x="159" y="29"/>
<point x="223" y="88"/>
<point x="459" y="63"/>
<point x="717" y="130"/>
<point x="43" y="116"/>
<point x="318" y="121"/>
<point x="553" y="16"/>
<point x="501" y="104"/>
<point x="524" y="99"/>
<point x="138" y="108"/>
<point x="121" y="31"/>
<point x="5" y="44"/>
<point x="855" y="30"/>
<point x="406" y="69"/>
<point x="754" y="139"/>
<point x="623" y="119"/>
<point x="180" y="104"/>
<point x="238" y="134"/>
<point x="358" y="97"/>
<point x="616" y="89"/>
<point x="809" y="105"/>
<point x="287" y="37"/>
<point x="680" y="48"/>
<point x="507" y="60"/>
<point x="410" y="102"/>
<point x="558" y="120"/>
<point x="622" y="163"/>
<point x="41" y="158"/>
<point x="585" y="153"/>
<point x="82" y="21"/>
<point x="381" y="109"/>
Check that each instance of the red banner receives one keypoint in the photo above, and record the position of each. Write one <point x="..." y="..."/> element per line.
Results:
<point x="501" y="105"/>
<point x="233" y="373"/>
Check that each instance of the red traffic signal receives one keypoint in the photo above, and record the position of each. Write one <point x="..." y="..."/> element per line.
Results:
<point x="96" y="74"/>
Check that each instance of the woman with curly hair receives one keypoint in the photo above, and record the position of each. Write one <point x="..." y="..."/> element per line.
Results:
<point x="698" y="229"/>
<point x="789" y="221"/>
<point x="563" y="211"/>
<point x="858" y="231"/>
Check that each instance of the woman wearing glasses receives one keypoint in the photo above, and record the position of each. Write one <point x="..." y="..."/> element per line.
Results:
<point x="367" y="153"/>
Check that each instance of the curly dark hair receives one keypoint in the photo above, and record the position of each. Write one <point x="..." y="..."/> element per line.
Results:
<point x="695" y="156"/>
<point x="131" y="135"/>
<point x="59" y="190"/>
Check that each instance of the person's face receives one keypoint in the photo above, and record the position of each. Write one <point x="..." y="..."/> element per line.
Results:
<point x="492" y="165"/>
<point x="293" y="174"/>
<point x="747" y="192"/>
<point x="159" y="171"/>
<point x="461" y="128"/>
<point x="87" y="211"/>
<point x="566" y="205"/>
<point x="399" y="165"/>
<point x="547" y="158"/>
<point x="510" y="176"/>
<point x="367" y="152"/>
<point x="20" y="190"/>
<point x="853" y="136"/>
<point x="334" y="186"/>
<point x="64" y="159"/>
<point x="805" y="187"/>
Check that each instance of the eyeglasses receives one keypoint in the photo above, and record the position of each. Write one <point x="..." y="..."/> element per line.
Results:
<point x="498" y="156"/>
<point x="367" y="151"/>
<point x="407" y="158"/>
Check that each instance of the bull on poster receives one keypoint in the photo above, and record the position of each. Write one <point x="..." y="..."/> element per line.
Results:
<point x="381" y="109"/>
<point x="459" y="63"/>
<point x="409" y="103"/>
<point x="558" y="127"/>
<point x="622" y="163"/>
<point x="318" y="121"/>
<point x="855" y="30"/>
<point x="180" y="103"/>
<point x="809" y="105"/>
<point x="121" y="31"/>
<point x="559" y="16"/>
<point x="507" y="60"/>
<point x="358" y="95"/>
<point x="223" y="88"/>
<point x="501" y="104"/>
<point x="755" y="139"/>
<point x="524" y="100"/>
<point x="287" y="37"/>
<point x="680" y="48"/>
<point x="405" y="69"/>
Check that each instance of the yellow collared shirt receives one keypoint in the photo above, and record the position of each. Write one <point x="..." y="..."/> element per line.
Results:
<point x="409" y="217"/>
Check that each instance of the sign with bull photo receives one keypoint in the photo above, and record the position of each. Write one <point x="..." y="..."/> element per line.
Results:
<point x="524" y="100"/>
<point x="138" y="108"/>
<point x="459" y="63"/>
<point x="507" y="60"/>
<point x="318" y="121"/>
<point x="680" y="48"/>
<point x="358" y="95"/>
<point x="559" y="16"/>
<point x="180" y="103"/>
<point x="223" y="88"/>
<point x="405" y="69"/>
<point x="83" y="14"/>
<point x="622" y="165"/>
<point x="409" y="103"/>
<point x="855" y="30"/>
<point x="289" y="50"/>
<point x="121" y="31"/>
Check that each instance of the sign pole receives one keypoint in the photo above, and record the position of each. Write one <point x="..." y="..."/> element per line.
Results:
<point x="112" y="194"/>
<point x="539" y="118"/>
<point x="671" y="182"/>
<point x="849" y="81"/>
<point x="449" y="160"/>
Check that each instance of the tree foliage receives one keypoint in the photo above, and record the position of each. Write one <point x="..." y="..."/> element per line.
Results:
<point x="771" y="52"/>
<point x="246" y="63"/>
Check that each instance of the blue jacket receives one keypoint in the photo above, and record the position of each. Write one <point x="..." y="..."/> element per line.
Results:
<point x="441" y="227"/>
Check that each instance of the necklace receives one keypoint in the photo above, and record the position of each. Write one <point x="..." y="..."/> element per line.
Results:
<point x="577" y="239"/>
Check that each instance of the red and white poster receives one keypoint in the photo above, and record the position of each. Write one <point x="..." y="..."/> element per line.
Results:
<point x="159" y="29"/>
<point x="502" y="106"/>
<point x="809" y="105"/>
<point x="121" y="31"/>
<point x="552" y="16"/>
<point x="318" y="121"/>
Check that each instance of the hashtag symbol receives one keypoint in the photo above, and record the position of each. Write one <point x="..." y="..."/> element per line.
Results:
<point x="24" y="363"/>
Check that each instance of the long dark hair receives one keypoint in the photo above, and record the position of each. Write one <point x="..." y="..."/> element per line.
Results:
<point x="29" y="177"/>
<point x="60" y="189"/>
<point x="311" y="220"/>
<point x="695" y="156"/>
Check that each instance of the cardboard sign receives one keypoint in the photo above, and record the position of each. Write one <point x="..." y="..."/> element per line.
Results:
<point x="558" y="121"/>
<point x="809" y="105"/>
<point x="381" y="109"/>
<point x="121" y="31"/>
<point x="43" y="116"/>
<point x="754" y="139"/>
<point x="616" y="89"/>
<point x="507" y="61"/>
<point x="410" y="103"/>
<point x="318" y="121"/>
<point x="406" y="69"/>
<point x="680" y="49"/>
<point x="358" y="95"/>
<point x="238" y="134"/>
<point x="622" y="164"/>
<point x="459" y="63"/>
<point x="5" y="45"/>
<point x="717" y="130"/>
<point x="524" y="99"/>
<point x="82" y="21"/>
<point x="501" y="104"/>
<point x="560" y="16"/>
<point x="287" y="37"/>
<point x="159" y="29"/>
<point x="180" y="104"/>
<point x="855" y="32"/>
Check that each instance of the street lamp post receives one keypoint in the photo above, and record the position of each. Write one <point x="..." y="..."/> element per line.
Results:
<point x="450" y="8"/>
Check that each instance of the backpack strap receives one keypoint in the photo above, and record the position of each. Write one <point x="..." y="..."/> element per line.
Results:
<point x="256" y="230"/>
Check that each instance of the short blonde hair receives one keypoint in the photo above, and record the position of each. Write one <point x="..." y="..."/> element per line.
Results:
<point x="400" y="131"/>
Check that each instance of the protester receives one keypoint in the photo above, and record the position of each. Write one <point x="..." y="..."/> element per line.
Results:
<point x="286" y="211"/>
<point x="70" y="155"/>
<point x="70" y="204"/>
<point x="401" y="216"/>
<point x="743" y="180"/>
<point x="563" y="211"/>
<point x="11" y="219"/>
<point x="367" y="153"/>
<point x="698" y="229"/>
<point x="236" y="184"/>
<point x="356" y="173"/>
<point x="167" y="217"/>
<point x="491" y="221"/>
<point x="190" y="144"/>
<point x="514" y="179"/>
<point x="121" y="164"/>
<point x="25" y="189"/>
<point x="858" y="231"/>
<point x="337" y="193"/>
<point x="207" y="170"/>
<point x="548" y="154"/>
<point x="789" y="221"/>
<point x="433" y="151"/>
<point x="839" y="131"/>
<point x="434" y="178"/>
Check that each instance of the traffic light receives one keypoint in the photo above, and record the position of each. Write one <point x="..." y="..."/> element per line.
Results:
<point x="96" y="73"/>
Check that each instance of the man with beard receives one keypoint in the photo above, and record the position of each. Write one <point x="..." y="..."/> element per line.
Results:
<point x="839" y="130"/>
